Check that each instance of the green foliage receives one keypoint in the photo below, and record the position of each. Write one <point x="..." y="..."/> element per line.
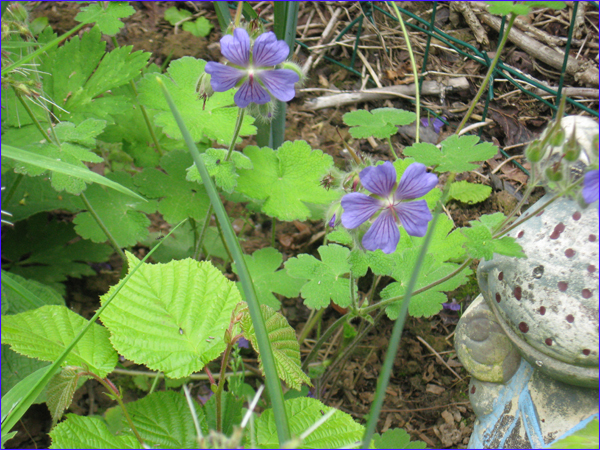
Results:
<point x="34" y="294"/>
<point x="470" y="193"/>
<point x="179" y="199"/>
<point x="231" y="413"/>
<point x="88" y="432"/>
<point x="224" y="172"/>
<point x="106" y="15"/>
<point x="521" y="8"/>
<point x="360" y="261"/>
<point x="214" y="118"/>
<point x="395" y="438"/>
<point x="480" y="244"/>
<point x="286" y="179"/>
<point x="164" y="420"/>
<point x="456" y="155"/>
<point x="339" y="431"/>
<point x="286" y="349"/>
<point x="326" y="278"/>
<point x="380" y="123"/>
<point x="60" y="391"/>
<point x="445" y="243"/>
<point x="587" y="437"/>
<point x="45" y="332"/>
<point x="50" y="261"/>
<point x="199" y="27"/>
<point x="341" y="236"/>
<point x="123" y="216"/>
<point x="263" y="266"/>
<point x="17" y="367"/>
<point x="171" y="317"/>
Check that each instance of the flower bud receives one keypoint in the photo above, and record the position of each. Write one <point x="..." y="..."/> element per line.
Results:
<point x="295" y="67"/>
<point x="535" y="152"/>
<point x="203" y="87"/>
<point x="572" y="149"/>
<point x="554" y="173"/>
<point x="595" y="145"/>
<point x="263" y="113"/>
<point x="228" y="337"/>
<point x="557" y="138"/>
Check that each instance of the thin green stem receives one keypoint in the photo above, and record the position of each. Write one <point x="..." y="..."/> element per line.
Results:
<point x="488" y="76"/>
<point x="312" y="320"/>
<point x="9" y="195"/>
<point x="389" y="141"/>
<point x="334" y="326"/>
<point x="352" y="296"/>
<point x="194" y="376"/>
<point x="36" y="122"/>
<point x="236" y="132"/>
<point x="203" y="232"/>
<point x="104" y="229"/>
<point x="154" y="384"/>
<point x="221" y="386"/>
<point x="223" y="241"/>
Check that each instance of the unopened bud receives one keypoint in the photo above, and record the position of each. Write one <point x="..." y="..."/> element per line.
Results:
<point x="595" y="145"/>
<point x="554" y="173"/>
<point x="295" y="67"/>
<point x="227" y="337"/>
<point x="557" y="138"/>
<point x="572" y="149"/>
<point x="535" y="152"/>
<point x="263" y="113"/>
<point x="203" y="87"/>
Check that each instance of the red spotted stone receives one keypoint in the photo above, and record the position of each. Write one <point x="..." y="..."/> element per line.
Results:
<point x="518" y="292"/>
<point x="542" y="310"/>
<point x="586" y="351"/>
<point x="569" y="253"/>
<point x="576" y="215"/>
<point x="570" y="318"/>
<point x="523" y="327"/>
<point x="562" y="286"/>
<point x="586" y="293"/>
<point x="473" y="389"/>
<point x="548" y="342"/>
<point x="498" y="298"/>
<point x="592" y="238"/>
<point x="501" y="276"/>
<point x="521" y="234"/>
<point x="591" y="268"/>
<point x="557" y="230"/>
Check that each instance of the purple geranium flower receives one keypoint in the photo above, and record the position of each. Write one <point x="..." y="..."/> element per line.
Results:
<point x="437" y="124"/>
<point x="381" y="181"/>
<point x="242" y="342"/>
<point x="590" y="186"/>
<point x="254" y="69"/>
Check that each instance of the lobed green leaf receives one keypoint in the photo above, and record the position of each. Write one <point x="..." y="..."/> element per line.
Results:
<point x="380" y="123"/>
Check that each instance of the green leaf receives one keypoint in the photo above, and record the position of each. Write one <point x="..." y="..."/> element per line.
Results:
<point x="339" y="431"/>
<point x="341" y="236"/>
<point x="179" y="199"/>
<point x="214" y="118"/>
<point x="44" y="333"/>
<point x="171" y="317"/>
<point x="200" y="27"/>
<point x="360" y="261"/>
<point x="47" y="163"/>
<point x="286" y="349"/>
<point x="286" y="178"/>
<point x="20" y="294"/>
<point x="106" y="15"/>
<point x="326" y="278"/>
<point x="164" y="420"/>
<point x="17" y="367"/>
<point x="521" y="8"/>
<point x="445" y="244"/>
<point x="395" y="438"/>
<point x="50" y="261"/>
<point x="380" y="123"/>
<point x="173" y="15"/>
<point x="586" y="437"/>
<point x="224" y="172"/>
<point x="263" y="266"/>
<point x="480" y="244"/>
<point x="88" y="432"/>
<point x="119" y="213"/>
<point x="11" y="399"/>
<point x="456" y="153"/>
<point x="470" y="193"/>
<point x="60" y="391"/>
<point x="231" y="415"/>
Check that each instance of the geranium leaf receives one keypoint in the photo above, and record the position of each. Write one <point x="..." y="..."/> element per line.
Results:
<point x="200" y="27"/>
<point x="225" y="172"/>
<point x="479" y="242"/>
<point x="106" y="15"/>
<point x="287" y="178"/>
<point x="396" y="438"/>
<point x="380" y="123"/>
<point x="171" y="317"/>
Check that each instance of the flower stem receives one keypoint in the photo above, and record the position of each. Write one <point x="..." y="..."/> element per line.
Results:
<point x="315" y="316"/>
<point x="389" y="140"/>
<point x="221" y="385"/>
<point x="334" y="326"/>
<point x="488" y="76"/>
<point x="32" y="116"/>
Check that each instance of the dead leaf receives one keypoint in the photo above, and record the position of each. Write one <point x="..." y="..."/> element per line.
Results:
<point x="434" y="389"/>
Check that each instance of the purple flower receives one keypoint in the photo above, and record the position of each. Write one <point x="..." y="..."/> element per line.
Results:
<point x="332" y="222"/>
<point x="253" y="69"/>
<point x="381" y="181"/>
<point x="243" y="342"/>
<point x="437" y="124"/>
<point x="454" y="306"/>
<point x="590" y="186"/>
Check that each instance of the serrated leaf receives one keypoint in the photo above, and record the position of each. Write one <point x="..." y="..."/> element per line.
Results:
<point x="121" y="214"/>
<point x="88" y="432"/>
<point x="395" y="438"/>
<point x="339" y="431"/>
<point x="164" y="420"/>
<point x="214" y="118"/>
<point x="173" y="15"/>
<point x="341" y="236"/>
<point x="179" y="198"/>
<point x="171" y="317"/>
<point x="200" y="27"/>
<point x="491" y="221"/>
<point x="286" y="349"/>
<point x="456" y="155"/>
<point x="480" y="244"/>
<point x="286" y="179"/>
<point x="327" y="278"/>
<point x="106" y="15"/>
<point x="231" y="414"/>
<point x="224" y="172"/>
<point x="360" y="262"/>
<point x="263" y="266"/>
<point x="45" y="332"/>
<point x="445" y="243"/>
<point x="50" y="261"/>
<point x="60" y="391"/>
<point x="586" y="437"/>
<point x="380" y="123"/>
<point x="470" y="193"/>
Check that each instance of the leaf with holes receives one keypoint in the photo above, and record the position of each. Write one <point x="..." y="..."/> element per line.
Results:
<point x="88" y="432"/>
<point x="339" y="431"/>
<point x="224" y="172"/>
<point x="470" y="193"/>
<point x="456" y="155"/>
<point x="106" y="15"/>
<point x="171" y="317"/>
<point x="214" y="118"/>
<point x="263" y="266"/>
<point x="45" y="332"/>
<point x="286" y="349"/>
<point x="179" y="198"/>
<point x="327" y="279"/>
<point x="287" y="178"/>
<point x="380" y="123"/>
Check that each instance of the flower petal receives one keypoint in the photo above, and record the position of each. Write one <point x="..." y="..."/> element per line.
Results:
<point x="236" y="48"/>
<point x="358" y="208"/>
<point x="222" y="77"/>
<point x="383" y="234"/>
<point x="268" y="51"/>
<point x="379" y="179"/>
<point x="415" y="182"/>
<point x="414" y="217"/>
<point x="590" y="186"/>
<point x="280" y="83"/>
<point x="251" y="92"/>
